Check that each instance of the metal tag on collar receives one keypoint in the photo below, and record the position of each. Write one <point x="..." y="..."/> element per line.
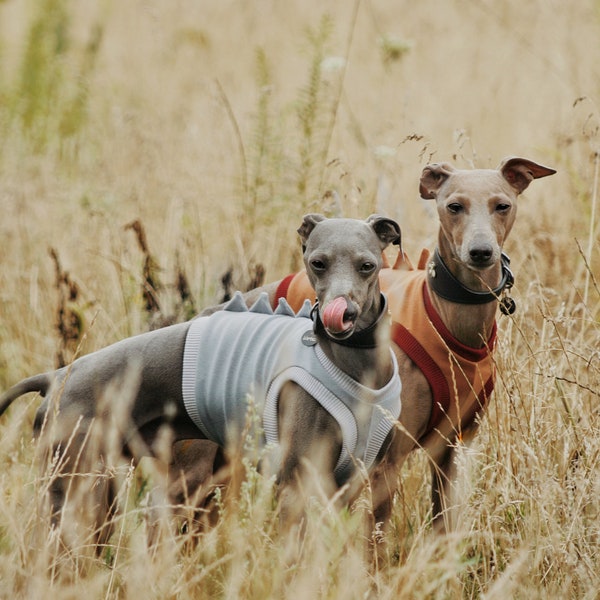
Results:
<point x="431" y="269"/>
<point x="507" y="305"/>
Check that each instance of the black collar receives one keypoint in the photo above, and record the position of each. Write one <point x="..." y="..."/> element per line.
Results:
<point x="365" y="338"/>
<point x="447" y="286"/>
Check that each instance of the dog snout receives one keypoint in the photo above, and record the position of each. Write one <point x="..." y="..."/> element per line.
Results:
<point x="351" y="306"/>
<point x="481" y="254"/>
<point x="351" y="313"/>
<point x="339" y="317"/>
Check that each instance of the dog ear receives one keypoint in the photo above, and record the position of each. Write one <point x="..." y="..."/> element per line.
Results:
<point x="520" y="172"/>
<point x="309" y="222"/>
<point x="387" y="230"/>
<point x="432" y="178"/>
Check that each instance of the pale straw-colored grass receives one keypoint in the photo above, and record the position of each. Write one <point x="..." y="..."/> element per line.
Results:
<point x="217" y="125"/>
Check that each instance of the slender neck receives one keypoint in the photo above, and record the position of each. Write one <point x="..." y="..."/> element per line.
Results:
<point x="371" y="366"/>
<point x="470" y="324"/>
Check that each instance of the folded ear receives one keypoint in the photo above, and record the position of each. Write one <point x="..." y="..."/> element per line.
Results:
<point x="309" y="222"/>
<point x="432" y="178"/>
<point x="387" y="230"/>
<point x="520" y="172"/>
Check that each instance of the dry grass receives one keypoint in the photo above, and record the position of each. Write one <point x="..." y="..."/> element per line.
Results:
<point x="216" y="125"/>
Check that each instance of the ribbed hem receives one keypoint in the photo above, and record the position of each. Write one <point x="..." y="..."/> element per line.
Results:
<point x="188" y="379"/>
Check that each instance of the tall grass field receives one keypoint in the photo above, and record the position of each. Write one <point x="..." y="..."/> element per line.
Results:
<point x="155" y="156"/>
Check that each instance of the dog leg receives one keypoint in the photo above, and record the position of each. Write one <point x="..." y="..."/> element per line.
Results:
<point x="311" y="443"/>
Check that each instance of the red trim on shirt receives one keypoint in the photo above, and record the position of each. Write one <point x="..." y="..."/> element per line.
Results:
<point x="435" y="377"/>
<point x="438" y="383"/>
<point x="467" y="352"/>
<point x="282" y="289"/>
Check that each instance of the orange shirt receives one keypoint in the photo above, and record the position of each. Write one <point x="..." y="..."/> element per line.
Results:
<point x="461" y="378"/>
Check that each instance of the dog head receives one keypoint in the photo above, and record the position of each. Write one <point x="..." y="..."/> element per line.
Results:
<point x="477" y="207"/>
<point x="343" y="259"/>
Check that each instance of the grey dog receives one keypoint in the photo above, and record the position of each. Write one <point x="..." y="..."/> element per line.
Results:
<point x="325" y="381"/>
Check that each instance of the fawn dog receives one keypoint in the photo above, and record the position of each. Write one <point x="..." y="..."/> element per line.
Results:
<point x="444" y="319"/>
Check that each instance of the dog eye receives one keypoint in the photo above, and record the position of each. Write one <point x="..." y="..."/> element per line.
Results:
<point x="502" y="207"/>
<point x="367" y="267"/>
<point x="454" y="208"/>
<point x="317" y="265"/>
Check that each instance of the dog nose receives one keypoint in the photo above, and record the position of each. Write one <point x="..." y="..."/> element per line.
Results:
<point x="481" y="254"/>
<point x="351" y="312"/>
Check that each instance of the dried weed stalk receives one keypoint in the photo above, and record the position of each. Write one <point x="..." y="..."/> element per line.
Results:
<point x="69" y="315"/>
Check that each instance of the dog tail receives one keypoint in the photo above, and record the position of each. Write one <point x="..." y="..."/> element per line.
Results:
<point x="37" y="383"/>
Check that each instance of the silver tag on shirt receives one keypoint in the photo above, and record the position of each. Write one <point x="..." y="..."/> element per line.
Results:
<point x="309" y="338"/>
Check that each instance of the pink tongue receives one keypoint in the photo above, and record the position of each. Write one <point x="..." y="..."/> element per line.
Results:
<point x="333" y="316"/>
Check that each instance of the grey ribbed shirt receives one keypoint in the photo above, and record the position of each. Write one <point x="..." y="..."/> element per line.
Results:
<point x="231" y="356"/>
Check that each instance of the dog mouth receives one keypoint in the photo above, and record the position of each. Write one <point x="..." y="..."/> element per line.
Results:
<point x="479" y="266"/>
<point x="338" y="319"/>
